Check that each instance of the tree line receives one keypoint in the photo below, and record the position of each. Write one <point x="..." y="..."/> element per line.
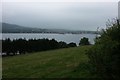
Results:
<point x="22" y="46"/>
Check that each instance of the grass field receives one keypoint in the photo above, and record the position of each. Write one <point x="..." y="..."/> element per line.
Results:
<point x="61" y="63"/>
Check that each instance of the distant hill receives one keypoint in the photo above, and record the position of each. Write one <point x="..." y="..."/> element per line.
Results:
<point x="13" y="28"/>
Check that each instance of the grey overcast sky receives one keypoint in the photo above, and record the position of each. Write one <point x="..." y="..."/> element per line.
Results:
<point x="60" y="15"/>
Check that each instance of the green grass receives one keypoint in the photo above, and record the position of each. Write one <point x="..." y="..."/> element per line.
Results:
<point x="61" y="63"/>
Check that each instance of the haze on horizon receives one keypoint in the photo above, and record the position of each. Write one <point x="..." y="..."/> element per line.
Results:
<point x="60" y="15"/>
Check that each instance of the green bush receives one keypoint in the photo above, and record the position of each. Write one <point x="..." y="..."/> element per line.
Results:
<point x="84" y="41"/>
<point x="105" y="54"/>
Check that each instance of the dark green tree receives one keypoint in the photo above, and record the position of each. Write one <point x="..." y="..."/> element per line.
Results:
<point x="72" y="44"/>
<point x="6" y="46"/>
<point x="84" y="41"/>
<point x="62" y="44"/>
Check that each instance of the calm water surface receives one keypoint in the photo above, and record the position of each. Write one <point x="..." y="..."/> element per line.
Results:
<point x="59" y="37"/>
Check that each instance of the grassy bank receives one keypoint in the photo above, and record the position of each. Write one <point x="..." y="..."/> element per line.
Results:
<point x="61" y="63"/>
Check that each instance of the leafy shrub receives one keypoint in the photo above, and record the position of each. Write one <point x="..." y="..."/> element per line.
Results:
<point x="72" y="44"/>
<point x="84" y="41"/>
<point x="105" y="54"/>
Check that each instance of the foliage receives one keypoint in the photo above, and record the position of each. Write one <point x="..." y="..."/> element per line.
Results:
<point x="22" y="46"/>
<point x="72" y="44"/>
<point x="105" y="54"/>
<point x="84" y="41"/>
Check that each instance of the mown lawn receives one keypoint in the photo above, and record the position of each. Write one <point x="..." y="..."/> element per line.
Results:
<point x="61" y="63"/>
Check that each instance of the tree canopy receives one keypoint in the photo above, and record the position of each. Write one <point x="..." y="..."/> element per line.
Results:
<point x="84" y="41"/>
<point x="22" y="46"/>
